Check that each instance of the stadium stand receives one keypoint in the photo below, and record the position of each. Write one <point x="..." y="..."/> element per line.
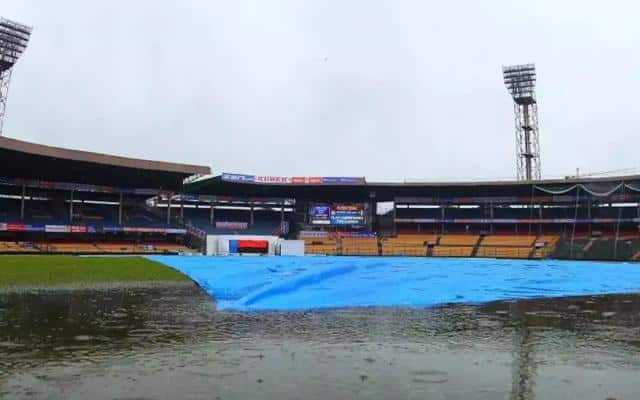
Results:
<point x="17" y="247"/>
<point x="544" y="246"/>
<point x="458" y="240"/>
<point x="506" y="246"/>
<point x="79" y="247"/>
<point x="359" y="246"/>
<point x="452" y="251"/>
<point x="321" y="246"/>
<point x="61" y="200"/>
<point x="508" y="241"/>
<point x="163" y="247"/>
<point x="503" y="252"/>
<point x="265" y="222"/>
<point x="66" y="201"/>
<point x="455" y="246"/>
<point x="70" y="247"/>
<point x="408" y="245"/>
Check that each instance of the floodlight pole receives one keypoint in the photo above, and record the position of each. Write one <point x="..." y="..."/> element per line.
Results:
<point x="520" y="81"/>
<point x="14" y="38"/>
<point x="5" y="78"/>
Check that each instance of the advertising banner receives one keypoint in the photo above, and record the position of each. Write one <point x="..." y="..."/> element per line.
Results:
<point x="144" y="230"/>
<point x="78" y="229"/>
<point x="341" y="180"/>
<point x="274" y="180"/>
<point x="366" y="234"/>
<point x="175" y="231"/>
<point x="296" y="180"/>
<point x="4" y="227"/>
<point x="85" y="229"/>
<point x="313" y="234"/>
<point x="241" y="178"/>
<point x="16" y="227"/>
<point x="232" y="225"/>
<point x="34" y="228"/>
<point x="511" y="221"/>
<point x="306" y="180"/>
<point x="325" y="234"/>
<point x="55" y="228"/>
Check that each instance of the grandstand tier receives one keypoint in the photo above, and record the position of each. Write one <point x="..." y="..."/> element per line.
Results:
<point x="61" y="200"/>
<point x="26" y="160"/>
<point x="67" y="201"/>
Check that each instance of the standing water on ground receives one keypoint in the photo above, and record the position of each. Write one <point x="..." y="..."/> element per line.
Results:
<point x="161" y="343"/>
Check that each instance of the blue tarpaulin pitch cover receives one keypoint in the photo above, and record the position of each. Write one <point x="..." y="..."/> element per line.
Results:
<point x="302" y="283"/>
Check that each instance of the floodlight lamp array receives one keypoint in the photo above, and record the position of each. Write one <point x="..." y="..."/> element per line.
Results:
<point x="14" y="38"/>
<point x="520" y="81"/>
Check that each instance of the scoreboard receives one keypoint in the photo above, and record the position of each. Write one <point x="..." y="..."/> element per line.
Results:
<point x="338" y="214"/>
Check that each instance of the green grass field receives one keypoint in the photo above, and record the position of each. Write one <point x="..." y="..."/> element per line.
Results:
<point x="54" y="271"/>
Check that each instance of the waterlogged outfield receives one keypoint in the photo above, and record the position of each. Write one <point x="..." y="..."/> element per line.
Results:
<point x="68" y="271"/>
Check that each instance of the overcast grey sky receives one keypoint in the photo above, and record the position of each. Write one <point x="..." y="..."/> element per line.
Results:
<point x="382" y="89"/>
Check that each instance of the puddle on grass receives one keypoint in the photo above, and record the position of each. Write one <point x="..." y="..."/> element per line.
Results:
<point x="162" y="343"/>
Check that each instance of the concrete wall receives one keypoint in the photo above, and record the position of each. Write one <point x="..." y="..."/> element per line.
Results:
<point x="292" y="248"/>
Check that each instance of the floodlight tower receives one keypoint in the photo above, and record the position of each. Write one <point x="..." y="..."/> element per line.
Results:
<point x="520" y="80"/>
<point x="13" y="42"/>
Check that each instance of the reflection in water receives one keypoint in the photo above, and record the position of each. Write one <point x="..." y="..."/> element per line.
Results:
<point x="171" y="343"/>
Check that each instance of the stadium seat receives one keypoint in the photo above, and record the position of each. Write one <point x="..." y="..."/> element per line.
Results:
<point x="71" y="247"/>
<point x="359" y="246"/>
<point x="459" y="240"/>
<point x="453" y="251"/>
<point x="455" y="245"/>
<point x="508" y="240"/>
<point x="123" y="247"/>
<point x="17" y="247"/>
<point x="549" y="241"/>
<point x="506" y="246"/>
<point x="323" y="246"/>
<point x="163" y="248"/>
<point x="503" y="252"/>
<point x="407" y="245"/>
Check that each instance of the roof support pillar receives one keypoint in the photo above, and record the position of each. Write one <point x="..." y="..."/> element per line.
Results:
<point x="24" y="190"/>
<point x="251" y="216"/>
<point x="169" y="210"/>
<point x="491" y="216"/>
<point x="589" y="215"/>
<point x="212" y="215"/>
<point x="120" y="210"/>
<point x="71" y="207"/>
<point x="540" y="219"/>
<point x="181" y="208"/>
<point x="395" y="228"/>
<point x="281" y="214"/>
